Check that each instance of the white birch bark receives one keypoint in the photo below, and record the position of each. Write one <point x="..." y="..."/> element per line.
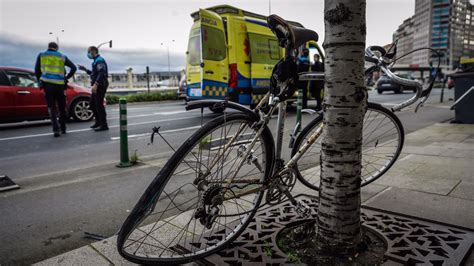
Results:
<point x="345" y="104"/>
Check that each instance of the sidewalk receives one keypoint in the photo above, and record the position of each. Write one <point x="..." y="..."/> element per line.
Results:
<point x="432" y="180"/>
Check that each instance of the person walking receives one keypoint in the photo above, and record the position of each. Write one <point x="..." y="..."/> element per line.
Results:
<point x="317" y="86"/>
<point x="99" y="85"/>
<point x="303" y="65"/>
<point x="51" y="75"/>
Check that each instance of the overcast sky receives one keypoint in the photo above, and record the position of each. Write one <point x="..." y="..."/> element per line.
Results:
<point x="137" y="28"/>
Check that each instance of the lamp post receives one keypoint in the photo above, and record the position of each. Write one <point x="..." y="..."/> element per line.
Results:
<point x="109" y="42"/>
<point x="169" y="68"/>
<point x="57" y="36"/>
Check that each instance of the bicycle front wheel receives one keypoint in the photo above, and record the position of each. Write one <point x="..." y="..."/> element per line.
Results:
<point x="382" y="142"/>
<point x="204" y="196"/>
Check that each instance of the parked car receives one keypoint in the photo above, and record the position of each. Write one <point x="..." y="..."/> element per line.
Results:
<point x="386" y="84"/>
<point x="21" y="99"/>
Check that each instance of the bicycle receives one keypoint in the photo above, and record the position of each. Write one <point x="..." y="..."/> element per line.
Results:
<point x="220" y="174"/>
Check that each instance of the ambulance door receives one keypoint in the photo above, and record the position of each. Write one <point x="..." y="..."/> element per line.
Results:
<point x="265" y="53"/>
<point x="214" y="62"/>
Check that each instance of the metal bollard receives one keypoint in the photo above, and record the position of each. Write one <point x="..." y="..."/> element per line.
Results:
<point x="124" y="159"/>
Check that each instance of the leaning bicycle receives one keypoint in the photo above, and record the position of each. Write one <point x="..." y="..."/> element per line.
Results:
<point x="210" y="189"/>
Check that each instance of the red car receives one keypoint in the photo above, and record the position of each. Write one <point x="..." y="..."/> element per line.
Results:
<point x="21" y="98"/>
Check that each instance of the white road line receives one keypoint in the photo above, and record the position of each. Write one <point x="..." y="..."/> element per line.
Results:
<point x="162" y="132"/>
<point x="152" y="114"/>
<point x="88" y="129"/>
<point x="170" y="113"/>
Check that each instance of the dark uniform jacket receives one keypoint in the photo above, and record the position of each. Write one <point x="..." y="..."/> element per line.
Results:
<point x="99" y="72"/>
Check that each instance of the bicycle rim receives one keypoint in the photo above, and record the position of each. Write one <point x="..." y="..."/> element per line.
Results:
<point x="177" y="219"/>
<point x="382" y="142"/>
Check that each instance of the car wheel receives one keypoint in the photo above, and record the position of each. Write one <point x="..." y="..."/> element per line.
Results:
<point x="379" y="91"/>
<point x="81" y="111"/>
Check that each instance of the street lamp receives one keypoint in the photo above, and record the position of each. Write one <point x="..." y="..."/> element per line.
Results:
<point x="169" y="68"/>
<point x="109" y="42"/>
<point x="57" y="36"/>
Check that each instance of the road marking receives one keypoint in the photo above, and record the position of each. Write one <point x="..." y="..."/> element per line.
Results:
<point x="162" y="132"/>
<point x="170" y="113"/>
<point x="88" y="129"/>
<point x="152" y="114"/>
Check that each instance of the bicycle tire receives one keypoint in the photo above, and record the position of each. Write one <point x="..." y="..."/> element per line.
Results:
<point x="311" y="180"/>
<point x="151" y="196"/>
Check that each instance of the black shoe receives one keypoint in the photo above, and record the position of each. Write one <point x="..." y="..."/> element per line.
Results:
<point x="56" y="134"/>
<point x="95" y="125"/>
<point x="102" y="128"/>
<point x="63" y="131"/>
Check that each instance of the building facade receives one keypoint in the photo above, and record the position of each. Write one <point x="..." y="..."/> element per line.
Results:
<point x="444" y="25"/>
<point x="404" y="35"/>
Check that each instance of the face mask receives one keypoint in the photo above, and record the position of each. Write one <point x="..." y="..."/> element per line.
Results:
<point x="89" y="55"/>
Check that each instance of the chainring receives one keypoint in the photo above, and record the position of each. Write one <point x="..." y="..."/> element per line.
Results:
<point x="274" y="194"/>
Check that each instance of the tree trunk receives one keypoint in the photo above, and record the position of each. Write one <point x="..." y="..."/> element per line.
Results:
<point x="344" y="109"/>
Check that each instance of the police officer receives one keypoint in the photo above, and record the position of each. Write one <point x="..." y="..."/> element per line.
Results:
<point x="99" y="83"/>
<point x="50" y="72"/>
<point x="303" y="65"/>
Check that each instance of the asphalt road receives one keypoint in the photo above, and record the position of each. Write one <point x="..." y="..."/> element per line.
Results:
<point x="52" y="210"/>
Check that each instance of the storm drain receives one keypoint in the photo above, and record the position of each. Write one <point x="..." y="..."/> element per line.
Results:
<point x="410" y="241"/>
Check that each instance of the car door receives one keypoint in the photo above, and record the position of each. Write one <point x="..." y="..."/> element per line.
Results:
<point x="29" y="98"/>
<point x="7" y="99"/>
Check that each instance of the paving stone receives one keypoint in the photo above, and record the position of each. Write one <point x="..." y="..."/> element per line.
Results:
<point x="108" y="248"/>
<point x="425" y="205"/>
<point x="464" y="190"/>
<point x="82" y="256"/>
<point x="425" y="183"/>
<point x="371" y="190"/>
<point x="441" y="160"/>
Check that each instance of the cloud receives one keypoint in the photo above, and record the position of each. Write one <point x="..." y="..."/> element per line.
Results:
<point x="19" y="52"/>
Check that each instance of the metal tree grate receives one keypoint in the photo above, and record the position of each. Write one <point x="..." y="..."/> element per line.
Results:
<point x="410" y="241"/>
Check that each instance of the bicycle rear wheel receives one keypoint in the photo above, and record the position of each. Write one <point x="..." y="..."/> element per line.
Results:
<point x="201" y="199"/>
<point x="382" y="142"/>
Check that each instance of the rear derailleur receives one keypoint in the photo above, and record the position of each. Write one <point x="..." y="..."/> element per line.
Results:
<point x="209" y="208"/>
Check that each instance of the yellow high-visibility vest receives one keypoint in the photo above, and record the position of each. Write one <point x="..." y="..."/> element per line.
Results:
<point x="52" y="67"/>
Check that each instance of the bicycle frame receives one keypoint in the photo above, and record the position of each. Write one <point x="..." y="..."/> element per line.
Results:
<point x="275" y="103"/>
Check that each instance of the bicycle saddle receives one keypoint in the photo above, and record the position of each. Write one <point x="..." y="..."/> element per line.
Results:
<point x="290" y="36"/>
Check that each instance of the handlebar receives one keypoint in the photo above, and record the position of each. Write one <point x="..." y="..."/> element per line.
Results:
<point x="284" y="76"/>
<point x="404" y="82"/>
<point x="381" y="62"/>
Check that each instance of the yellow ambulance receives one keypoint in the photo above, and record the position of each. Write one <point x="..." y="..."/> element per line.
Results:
<point x="231" y="54"/>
